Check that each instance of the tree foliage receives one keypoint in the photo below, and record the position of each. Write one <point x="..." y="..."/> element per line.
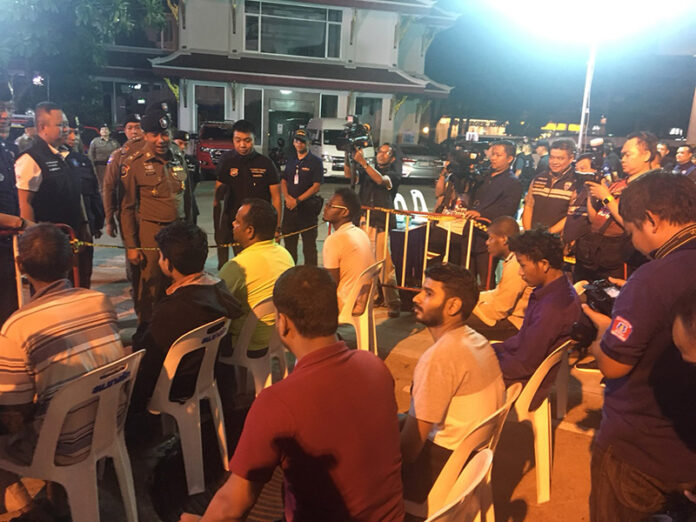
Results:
<point x="63" y="40"/>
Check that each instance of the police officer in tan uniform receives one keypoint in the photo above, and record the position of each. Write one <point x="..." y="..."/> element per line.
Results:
<point x="156" y="192"/>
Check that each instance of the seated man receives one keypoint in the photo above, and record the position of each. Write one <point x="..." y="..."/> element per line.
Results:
<point x="553" y="308"/>
<point x="331" y="425"/>
<point x="250" y="276"/>
<point x="456" y="384"/>
<point x="499" y="312"/>
<point x="61" y="334"/>
<point x="193" y="299"/>
<point x="347" y="251"/>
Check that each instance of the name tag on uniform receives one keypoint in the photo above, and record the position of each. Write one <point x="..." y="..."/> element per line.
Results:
<point x="257" y="173"/>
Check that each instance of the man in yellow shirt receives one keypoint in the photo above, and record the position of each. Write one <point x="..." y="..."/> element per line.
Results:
<point x="251" y="274"/>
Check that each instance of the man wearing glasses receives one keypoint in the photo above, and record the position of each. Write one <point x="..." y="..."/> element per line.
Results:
<point x="377" y="188"/>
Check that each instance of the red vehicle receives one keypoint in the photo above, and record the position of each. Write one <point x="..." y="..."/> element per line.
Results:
<point x="214" y="140"/>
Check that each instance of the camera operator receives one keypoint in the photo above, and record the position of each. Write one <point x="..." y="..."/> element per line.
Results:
<point x="377" y="188"/>
<point x="606" y="250"/>
<point x="498" y="194"/>
<point x="644" y="455"/>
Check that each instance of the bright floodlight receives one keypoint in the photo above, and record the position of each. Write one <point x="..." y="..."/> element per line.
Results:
<point x="592" y="20"/>
<point x="37" y="80"/>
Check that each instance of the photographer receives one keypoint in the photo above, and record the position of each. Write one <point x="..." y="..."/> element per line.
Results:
<point x="377" y="188"/>
<point x="644" y="455"/>
<point x="606" y="249"/>
<point x="498" y="194"/>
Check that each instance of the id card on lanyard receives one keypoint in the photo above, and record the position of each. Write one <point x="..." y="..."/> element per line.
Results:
<point x="296" y="179"/>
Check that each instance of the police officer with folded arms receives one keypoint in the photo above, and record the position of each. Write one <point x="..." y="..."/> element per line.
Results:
<point x="155" y="182"/>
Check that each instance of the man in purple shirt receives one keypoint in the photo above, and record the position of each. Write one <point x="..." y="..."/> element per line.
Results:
<point x="553" y="308"/>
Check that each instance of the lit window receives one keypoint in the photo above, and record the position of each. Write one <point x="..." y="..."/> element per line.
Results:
<point x="292" y="30"/>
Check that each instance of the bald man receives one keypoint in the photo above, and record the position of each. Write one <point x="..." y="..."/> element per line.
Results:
<point x="500" y="312"/>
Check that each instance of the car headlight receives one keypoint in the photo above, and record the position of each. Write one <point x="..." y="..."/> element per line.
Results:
<point x="326" y="158"/>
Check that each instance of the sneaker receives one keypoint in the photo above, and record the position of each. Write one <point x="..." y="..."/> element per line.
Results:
<point x="588" y="366"/>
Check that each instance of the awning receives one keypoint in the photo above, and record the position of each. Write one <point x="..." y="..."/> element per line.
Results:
<point x="292" y="73"/>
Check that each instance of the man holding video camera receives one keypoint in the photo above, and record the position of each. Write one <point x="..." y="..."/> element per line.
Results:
<point x="377" y="188"/>
<point x="644" y="454"/>
<point x="606" y="250"/>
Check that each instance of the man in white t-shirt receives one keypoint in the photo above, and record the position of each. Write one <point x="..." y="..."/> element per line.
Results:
<point x="457" y="382"/>
<point x="347" y="251"/>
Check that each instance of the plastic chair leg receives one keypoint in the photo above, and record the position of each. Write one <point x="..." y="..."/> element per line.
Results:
<point x="362" y="334"/>
<point x="83" y="496"/>
<point x="192" y="449"/>
<point x="562" y="388"/>
<point x="541" y="424"/>
<point x="219" y="420"/>
<point x="124" y="473"/>
<point x="487" y="513"/>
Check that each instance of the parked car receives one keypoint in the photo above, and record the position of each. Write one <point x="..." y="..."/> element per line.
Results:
<point x="214" y="140"/>
<point x="418" y="161"/>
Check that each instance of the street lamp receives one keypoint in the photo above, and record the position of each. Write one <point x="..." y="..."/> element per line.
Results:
<point x="567" y="22"/>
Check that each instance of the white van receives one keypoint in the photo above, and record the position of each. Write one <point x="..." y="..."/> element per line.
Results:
<point x="324" y="132"/>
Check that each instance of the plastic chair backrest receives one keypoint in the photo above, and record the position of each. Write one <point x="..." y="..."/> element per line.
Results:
<point x="485" y="435"/>
<point x="206" y="337"/>
<point x="400" y="202"/>
<point x="262" y="309"/>
<point x="529" y="391"/>
<point x="419" y="203"/>
<point x="459" y="506"/>
<point x="361" y="295"/>
<point x="107" y="385"/>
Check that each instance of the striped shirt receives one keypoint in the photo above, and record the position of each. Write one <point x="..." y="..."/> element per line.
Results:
<point x="550" y="196"/>
<point x="61" y="334"/>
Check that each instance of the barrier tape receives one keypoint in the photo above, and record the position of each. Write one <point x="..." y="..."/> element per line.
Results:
<point x="77" y="243"/>
<point x="430" y="216"/>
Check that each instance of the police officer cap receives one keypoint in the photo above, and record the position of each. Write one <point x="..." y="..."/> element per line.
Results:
<point x="74" y="122"/>
<point x="181" y="135"/>
<point x="301" y="134"/>
<point x="155" y="121"/>
<point x="131" y="118"/>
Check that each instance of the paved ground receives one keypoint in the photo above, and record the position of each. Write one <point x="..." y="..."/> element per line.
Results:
<point x="401" y="342"/>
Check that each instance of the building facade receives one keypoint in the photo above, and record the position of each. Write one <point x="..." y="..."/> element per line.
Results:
<point x="280" y="63"/>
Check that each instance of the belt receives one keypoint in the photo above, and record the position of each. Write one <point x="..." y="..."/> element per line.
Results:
<point x="160" y="223"/>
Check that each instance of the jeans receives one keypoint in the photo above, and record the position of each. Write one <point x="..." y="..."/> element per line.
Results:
<point x="621" y="492"/>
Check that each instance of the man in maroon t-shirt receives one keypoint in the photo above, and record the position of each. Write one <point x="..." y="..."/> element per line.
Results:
<point x="331" y="424"/>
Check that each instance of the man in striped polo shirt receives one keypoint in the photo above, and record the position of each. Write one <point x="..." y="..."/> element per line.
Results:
<point x="546" y="202"/>
<point x="61" y="334"/>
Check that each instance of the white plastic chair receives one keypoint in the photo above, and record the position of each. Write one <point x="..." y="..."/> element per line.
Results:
<point x="186" y="413"/>
<point x="462" y="503"/>
<point x="358" y="310"/>
<point x="261" y="369"/>
<point x="400" y="202"/>
<point x="419" y="204"/>
<point x="540" y="418"/>
<point x="484" y="436"/>
<point x="562" y="379"/>
<point x="109" y="385"/>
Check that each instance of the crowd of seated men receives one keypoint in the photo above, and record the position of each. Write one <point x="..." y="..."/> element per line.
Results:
<point x="332" y="425"/>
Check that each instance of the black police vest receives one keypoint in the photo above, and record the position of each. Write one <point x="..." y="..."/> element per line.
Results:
<point x="9" y="202"/>
<point x="58" y="199"/>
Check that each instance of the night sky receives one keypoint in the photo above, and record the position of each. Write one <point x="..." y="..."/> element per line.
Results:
<point x="501" y="70"/>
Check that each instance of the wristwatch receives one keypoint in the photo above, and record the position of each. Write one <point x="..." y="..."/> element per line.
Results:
<point x="608" y="199"/>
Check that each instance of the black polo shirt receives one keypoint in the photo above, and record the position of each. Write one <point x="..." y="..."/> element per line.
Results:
<point x="497" y="196"/>
<point x="247" y="176"/>
<point x="551" y="195"/>
<point x="301" y="174"/>
<point x="649" y="418"/>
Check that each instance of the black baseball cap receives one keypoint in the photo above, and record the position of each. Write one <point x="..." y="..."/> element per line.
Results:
<point x="156" y="121"/>
<point x="301" y="134"/>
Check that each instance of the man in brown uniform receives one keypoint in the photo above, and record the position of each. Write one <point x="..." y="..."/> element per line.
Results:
<point x="154" y="179"/>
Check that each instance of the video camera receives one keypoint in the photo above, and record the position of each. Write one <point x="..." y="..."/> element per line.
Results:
<point x="356" y="136"/>
<point x="600" y="168"/>
<point x="467" y="161"/>
<point x="600" y="296"/>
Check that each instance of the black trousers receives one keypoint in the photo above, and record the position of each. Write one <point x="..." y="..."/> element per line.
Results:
<point x="298" y="219"/>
